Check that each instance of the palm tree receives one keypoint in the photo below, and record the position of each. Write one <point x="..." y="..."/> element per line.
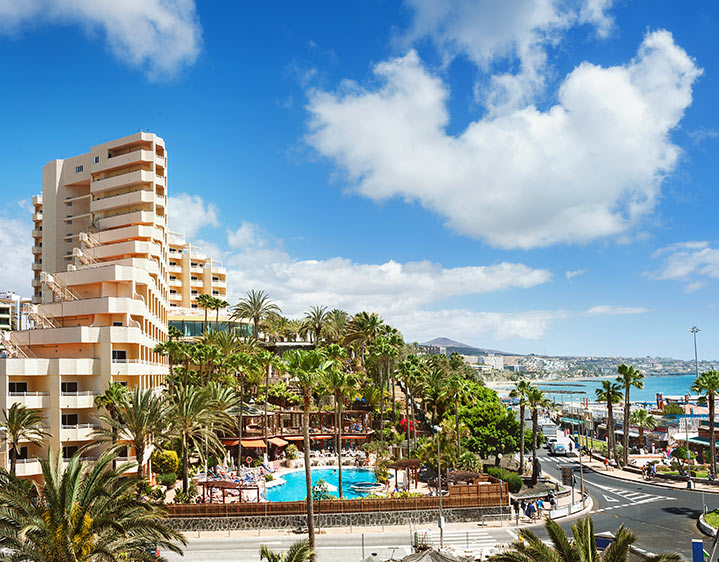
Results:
<point x="22" y="424"/>
<point x="536" y="400"/>
<point x="520" y="390"/>
<point x="307" y="368"/>
<point x="193" y="418"/>
<point x="708" y="384"/>
<point x="456" y="390"/>
<point x="298" y="552"/>
<point x="583" y="546"/>
<point x="314" y="322"/>
<point x="643" y="420"/>
<point x="408" y="370"/>
<point x="611" y="393"/>
<point x="81" y="513"/>
<point x="218" y="304"/>
<point x="361" y="330"/>
<point x="204" y="301"/>
<point x="337" y="321"/>
<point x="109" y="400"/>
<point x="255" y="306"/>
<point x="628" y="377"/>
<point x="341" y="384"/>
<point x="266" y="360"/>
<point x="140" y="418"/>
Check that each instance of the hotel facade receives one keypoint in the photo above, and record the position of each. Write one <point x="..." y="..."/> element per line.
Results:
<point x="101" y="293"/>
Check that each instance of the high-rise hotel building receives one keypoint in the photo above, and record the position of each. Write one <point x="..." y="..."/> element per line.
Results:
<point x="192" y="273"/>
<point x="101" y="290"/>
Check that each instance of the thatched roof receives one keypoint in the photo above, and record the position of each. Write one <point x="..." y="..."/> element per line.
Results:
<point x="430" y="556"/>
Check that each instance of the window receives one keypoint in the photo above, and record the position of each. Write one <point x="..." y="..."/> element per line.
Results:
<point x="173" y="263"/>
<point x="193" y="264"/>
<point x="68" y="387"/>
<point x="68" y="452"/>
<point x="97" y="160"/>
<point x="78" y="169"/>
<point x="69" y="203"/>
<point x="69" y="419"/>
<point x="17" y="387"/>
<point x="22" y="453"/>
<point x="194" y="306"/>
<point x="215" y="292"/>
<point x="215" y="279"/>
<point x="116" y="323"/>
<point x="173" y="292"/>
<point x="194" y="292"/>
<point x="193" y="278"/>
<point x="119" y="355"/>
<point x="173" y="278"/>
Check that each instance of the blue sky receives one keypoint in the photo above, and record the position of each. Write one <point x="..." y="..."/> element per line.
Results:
<point x="535" y="176"/>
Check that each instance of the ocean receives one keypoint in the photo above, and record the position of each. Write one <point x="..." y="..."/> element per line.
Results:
<point x="574" y="390"/>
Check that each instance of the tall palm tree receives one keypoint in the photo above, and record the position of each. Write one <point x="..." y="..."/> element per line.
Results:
<point x="628" y="377"/>
<point x="140" y="419"/>
<point x="22" y="424"/>
<point x="708" y="384"/>
<point x="408" y="371"/>
<point x="341" y="384"/>
<point x="361" y="330"/>
<point x="266" y="361"/>
<point x="643" y="420"/>
<point x="255" y="306"/>
<point x="217" y="305"/>
<point x="298" y="552"/>
<point x="307" y="368"/>
<point x="536" y="400"/>
<point x="456" y="390"/>
<point x="204" y="301"/>
<point x="109" y="401"/>
<point x="315" y="321"/>
<point x="520" y="391"/>
<point x="337" y="321"/>
<point x="193" y="419"/>
<point x="611" y="393"/>
<point x="582" y="546"/>
<point x="81" y="513"/>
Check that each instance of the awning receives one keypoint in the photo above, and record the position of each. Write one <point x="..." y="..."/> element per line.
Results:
<point x="277" y="442"/>
<point x="254" y="443"/>
<point x="354" y="437"/>
<point x="295" y="438"/>
<point x="320" y="437"/>
<point x="230" y="442"/>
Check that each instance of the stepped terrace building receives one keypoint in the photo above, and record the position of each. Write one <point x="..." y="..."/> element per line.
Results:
<point x="101" y="300"/>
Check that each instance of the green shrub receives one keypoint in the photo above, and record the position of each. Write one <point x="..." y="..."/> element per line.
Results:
<point x="469" y="461"/>
<point x="167" y="479"/>
<point x="513" y="480"/>
<point x="164" y="461"/>
<point x="257" y="462"/>
<point x="291" y="452"/>
<point x="269" y="478"/>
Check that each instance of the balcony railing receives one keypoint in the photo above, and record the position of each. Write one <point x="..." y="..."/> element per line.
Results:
<point x="81" y="426"/>
<point x="28" y="394"/>
<point x="79" y="393"/>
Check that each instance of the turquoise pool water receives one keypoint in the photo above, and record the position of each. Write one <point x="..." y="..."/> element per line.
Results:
<point x="294" y="488"/>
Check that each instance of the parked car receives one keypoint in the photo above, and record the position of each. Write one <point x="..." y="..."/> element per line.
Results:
<point x="549" y="443"/>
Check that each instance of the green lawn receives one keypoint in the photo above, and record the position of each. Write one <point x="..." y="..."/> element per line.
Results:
<point x="713" y="518"/>
<point x="700" y="473"/>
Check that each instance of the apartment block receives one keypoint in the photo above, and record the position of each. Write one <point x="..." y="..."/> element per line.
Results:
<point x="37" y="248"/>
<point x="101" y="300"/>
<point x="191" y="273"/>
<point x="11" y="311"/>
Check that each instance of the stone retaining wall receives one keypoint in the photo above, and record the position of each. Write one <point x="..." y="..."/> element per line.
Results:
<point x="376" y="518"/>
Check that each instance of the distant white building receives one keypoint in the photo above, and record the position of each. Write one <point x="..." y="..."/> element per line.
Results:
<point x="494" y="362"/>
<point x="11" y="315"/>
<point x="517" y="368"/>
<point x="471" y="359"/>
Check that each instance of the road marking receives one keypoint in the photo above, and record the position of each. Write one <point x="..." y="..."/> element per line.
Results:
<point x="609" y="499"/>
<point x="512" y="534"/>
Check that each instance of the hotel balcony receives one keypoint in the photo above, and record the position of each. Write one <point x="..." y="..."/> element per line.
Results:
<point x="129" y="158"/>
<point x="37" y="266"/>
<point x="197" y="254"/>
<point x="138" y="367"/>
<point x="36" y="283"/>
<point x="197" y="283"/>
<point x="174" y="282"/>
<point x="78" y="399"/>
<point x="129" y="199"/>
<point x="78" y="432"/>
<point x="27" y="467"/>
<point x="219" y="269"/>
<point x="37" y="216"/>
<point x="133" y="217"/>
<point x="37" y="199"/>
<point x="220" y="284"/>
<point x="130" y="232"/>
<point x="174" y="269"/>
<point x="128" y="178"/>
<point x="196" y="269"/>
<point x="175" y="296"/>
<point x="37" y="249"/>
<point x="38" y="400"/>
<point x="37" y="233"/>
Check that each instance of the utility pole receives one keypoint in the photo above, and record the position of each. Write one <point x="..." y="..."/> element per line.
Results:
<point x="693" y="330"/>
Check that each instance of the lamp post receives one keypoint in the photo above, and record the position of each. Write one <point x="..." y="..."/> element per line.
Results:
<point x="440" y="521"/>
<point x="693" y="331"/>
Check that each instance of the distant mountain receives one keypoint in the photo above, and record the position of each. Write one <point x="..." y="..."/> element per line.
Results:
<point x="463" y="348"/>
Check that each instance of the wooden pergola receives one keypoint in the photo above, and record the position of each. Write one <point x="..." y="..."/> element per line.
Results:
<point x="225" y="485"/>
<point x="411" y="466"/>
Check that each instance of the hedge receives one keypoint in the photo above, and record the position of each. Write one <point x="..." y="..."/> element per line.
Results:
<point x="513" y="480"/>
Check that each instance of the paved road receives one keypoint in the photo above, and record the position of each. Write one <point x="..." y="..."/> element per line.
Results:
<point x="663" y="518"/>
<point x="333" y="547"/>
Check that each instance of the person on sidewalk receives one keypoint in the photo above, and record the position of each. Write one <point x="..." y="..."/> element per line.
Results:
<point x="532" y="511"/>
<point x="540" y="507"/>
<point x="515" y="506"/>
<point x="606" y="463"/>
<point x="523" y="505"/>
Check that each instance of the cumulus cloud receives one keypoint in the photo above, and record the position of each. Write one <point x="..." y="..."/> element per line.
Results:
<point x="574" y="273"/>
<point x="487" y="31"/>
<point x="588" y="167"/>
<point x="189" y="213"/>
<point x="611" y="310"/>
<point x="246" y="235"/>
<point x="158" y="36"/>
<point x="693" y="262"/>
<point x="15" y="249"/>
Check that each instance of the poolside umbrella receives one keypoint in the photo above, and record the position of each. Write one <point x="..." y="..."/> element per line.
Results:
<point x="430" y="556"/>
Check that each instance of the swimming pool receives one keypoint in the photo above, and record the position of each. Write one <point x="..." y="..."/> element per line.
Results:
<point x="294" y="488"/>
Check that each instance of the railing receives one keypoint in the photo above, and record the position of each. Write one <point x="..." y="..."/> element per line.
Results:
<point x="81" y="426"/>
<point x="335" y="506"/>
<point x="79" y="393"/>
<point x="137" y="362"/>
<point x="28" y="394"/>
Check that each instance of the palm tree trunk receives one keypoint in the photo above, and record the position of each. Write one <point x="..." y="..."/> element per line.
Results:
<point x="217" y="318"/>
<point x="308" y="472"/>
<point x="712" y="439"/>
<point x="414" y="425"/>
<point x="140" y="458"/>
<point x="521" y="439"/>
<point x="187" y="370"/>
<point x="338" y="408"/>
<point x="13" y="459"/>
<point x="535" y="420"/>
<point x="185" y="464"/>
<point x="267" y="399"/>
<point x="456" y="421"/>
<point x="614" y="437"/>
<point x="625" y="452"/>
<point x="204" y="324"/>
<point x="641" y="435"/>
<point x="381" y="406"/>
<point x="394" y="401"/>
<point x="239" y="445"/>
<point x="406" y="417"/>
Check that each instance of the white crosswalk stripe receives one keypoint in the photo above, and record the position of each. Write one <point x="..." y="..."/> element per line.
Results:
<point x="635" y="498"/>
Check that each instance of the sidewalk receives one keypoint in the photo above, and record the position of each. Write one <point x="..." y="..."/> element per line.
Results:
<point x="619" y="474"/>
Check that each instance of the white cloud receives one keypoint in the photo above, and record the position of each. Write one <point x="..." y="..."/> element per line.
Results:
<point x="611" y="310"/>
<point x="158" y="36"/>
<point x="574" y="273"/>
<point x="487" y="31"/>
<point x="188" y="214"/>
<point x="15" y="249"/>
<point x="589" y="167"/>
<point x="246" y="235"/>
<point x="693" y="261"/>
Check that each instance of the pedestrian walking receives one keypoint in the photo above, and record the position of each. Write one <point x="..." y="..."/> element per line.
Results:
<point x="553" y="502"/>
<point x="606" y="463"/>
<point x="523" y="506"/>
<point x="515" y="507"/>
<point x="532" y="511"/>
<point x="540" y="507"/>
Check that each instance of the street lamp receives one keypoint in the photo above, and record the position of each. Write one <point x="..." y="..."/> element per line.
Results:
<point x="693" y="330"/>
<point x="440" y="521"/>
